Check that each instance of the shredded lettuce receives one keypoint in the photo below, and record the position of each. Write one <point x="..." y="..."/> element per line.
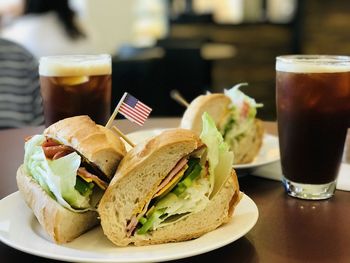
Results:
<point x="193" y="199"/>
<point x="238" y="98"/>
<point x="56" y="177"/>
<point x="242" y="115"/>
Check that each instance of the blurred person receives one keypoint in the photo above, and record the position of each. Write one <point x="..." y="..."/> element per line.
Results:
<point x="20" y="99"/>
<point x="48" y="28"/>
<point x="9" y="9"/>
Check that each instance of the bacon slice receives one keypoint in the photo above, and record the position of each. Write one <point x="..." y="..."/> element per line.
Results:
<point x="51" y="151"/>
<point x="50" y="142"/>
<point x="89" y="177"/>
<point x="54" y="150"/>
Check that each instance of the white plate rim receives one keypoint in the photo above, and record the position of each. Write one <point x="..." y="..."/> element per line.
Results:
<point x="270" y="143"/>
<point x="246" y="211"/>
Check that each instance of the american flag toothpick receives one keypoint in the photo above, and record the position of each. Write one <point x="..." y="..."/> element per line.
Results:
<point x="132" y="109"/>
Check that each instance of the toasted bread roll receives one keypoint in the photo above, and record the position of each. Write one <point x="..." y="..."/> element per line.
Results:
<point x="245" y="145"/>
<point x="137" y="180"/>
<point x="61" y="224"/>
<point x="65" y="173"/>
<point x="248" y="147"/>
<point x="216" y="105"/>
<point x="95" y="142"/>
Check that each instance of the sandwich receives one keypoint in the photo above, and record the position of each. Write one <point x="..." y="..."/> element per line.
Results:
<point x="173" y="187"/>
<point x="65" y="173"/>
<point x="234" y="114"/>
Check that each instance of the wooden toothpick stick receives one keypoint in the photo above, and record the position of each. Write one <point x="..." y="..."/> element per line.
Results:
<point x="115" y="112"/>
<point x="175" y="94"/>
<point x="114" y="128"/>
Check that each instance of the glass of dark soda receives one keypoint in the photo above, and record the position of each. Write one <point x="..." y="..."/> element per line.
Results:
<point x="313" y="113"/>
<point x="74" y="85"/>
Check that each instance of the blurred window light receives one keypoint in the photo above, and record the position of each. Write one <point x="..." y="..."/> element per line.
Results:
<point x="203" y="6"/>
<point x="229" y="11"/>
<point x="151" y="21"/>
<point x="281" y="11"/>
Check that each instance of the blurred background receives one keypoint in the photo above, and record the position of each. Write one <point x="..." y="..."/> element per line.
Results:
<point x="193" y="46"/>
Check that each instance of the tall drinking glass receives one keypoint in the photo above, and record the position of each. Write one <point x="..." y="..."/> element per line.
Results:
<point x="313" y="114"/>
<point x="76" y="85"/>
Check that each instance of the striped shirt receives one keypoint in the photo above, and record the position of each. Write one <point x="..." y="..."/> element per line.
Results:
<point x="20" y="99"/>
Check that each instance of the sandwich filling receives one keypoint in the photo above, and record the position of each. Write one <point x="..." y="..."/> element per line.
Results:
<point x="63" y="173"/>
<point x="241" y="116"/>
<point x="189" y="186"/>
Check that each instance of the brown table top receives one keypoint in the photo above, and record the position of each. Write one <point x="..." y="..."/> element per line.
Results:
<point x="288" y="229"/>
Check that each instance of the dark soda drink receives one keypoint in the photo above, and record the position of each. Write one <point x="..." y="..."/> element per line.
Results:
<point x="76" y="85"/>
<point x="313" y="113"/>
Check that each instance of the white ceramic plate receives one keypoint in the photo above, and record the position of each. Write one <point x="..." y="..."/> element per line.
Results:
<point x="20" y="229"/>
<point x="268" y="153"/>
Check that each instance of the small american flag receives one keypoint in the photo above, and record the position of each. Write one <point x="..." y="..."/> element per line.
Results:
<point x="134" y="110"/>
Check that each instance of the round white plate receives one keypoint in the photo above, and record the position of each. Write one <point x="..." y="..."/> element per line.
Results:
<point x="20" y="229"/>
<point x="268" y="153"/>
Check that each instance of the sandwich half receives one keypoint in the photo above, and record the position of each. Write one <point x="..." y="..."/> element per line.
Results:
<point x="65" y="173"/>
<point x="174" y="187"/>
<point x="234" y="114"/>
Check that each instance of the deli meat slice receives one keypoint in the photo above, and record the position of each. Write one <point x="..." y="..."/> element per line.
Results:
<point x="134" y="220"/>
<point x="87" y="176"/>
<point x="172" y="173"/>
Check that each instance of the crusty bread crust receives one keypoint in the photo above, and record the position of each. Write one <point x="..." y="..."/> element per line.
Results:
<point x="216" y="105"/>
<point x="136" y="180"/>
<point x="98" y="144"/>
<point x="61" y="224"/>
<point x="249" y="146"/>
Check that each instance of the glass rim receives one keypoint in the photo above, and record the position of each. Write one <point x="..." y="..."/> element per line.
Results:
<point x="313" y="58"/>
<point x="75" y="57"/>
<point x="313" y="63"/>
<point x="75" y="65"/>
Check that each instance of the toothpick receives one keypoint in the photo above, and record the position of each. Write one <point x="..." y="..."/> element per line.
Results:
<point x="115" y="112"/>
<point x="175" y="94"/>
<point x="123" y="136"/>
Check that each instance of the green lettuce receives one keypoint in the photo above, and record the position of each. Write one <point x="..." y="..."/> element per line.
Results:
<point x="241" y="119"/>
<point x="56" y="177"/>
<point x="219" y="156"/>
<point x="238" y="98"/>
<point x="173" y="207"/>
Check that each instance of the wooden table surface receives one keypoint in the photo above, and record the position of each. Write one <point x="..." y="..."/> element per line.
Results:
<point x="288" y="229"/>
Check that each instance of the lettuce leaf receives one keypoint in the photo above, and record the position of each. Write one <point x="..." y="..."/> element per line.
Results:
<point x="219" y="156"/>
<point x="56" y="177"/>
